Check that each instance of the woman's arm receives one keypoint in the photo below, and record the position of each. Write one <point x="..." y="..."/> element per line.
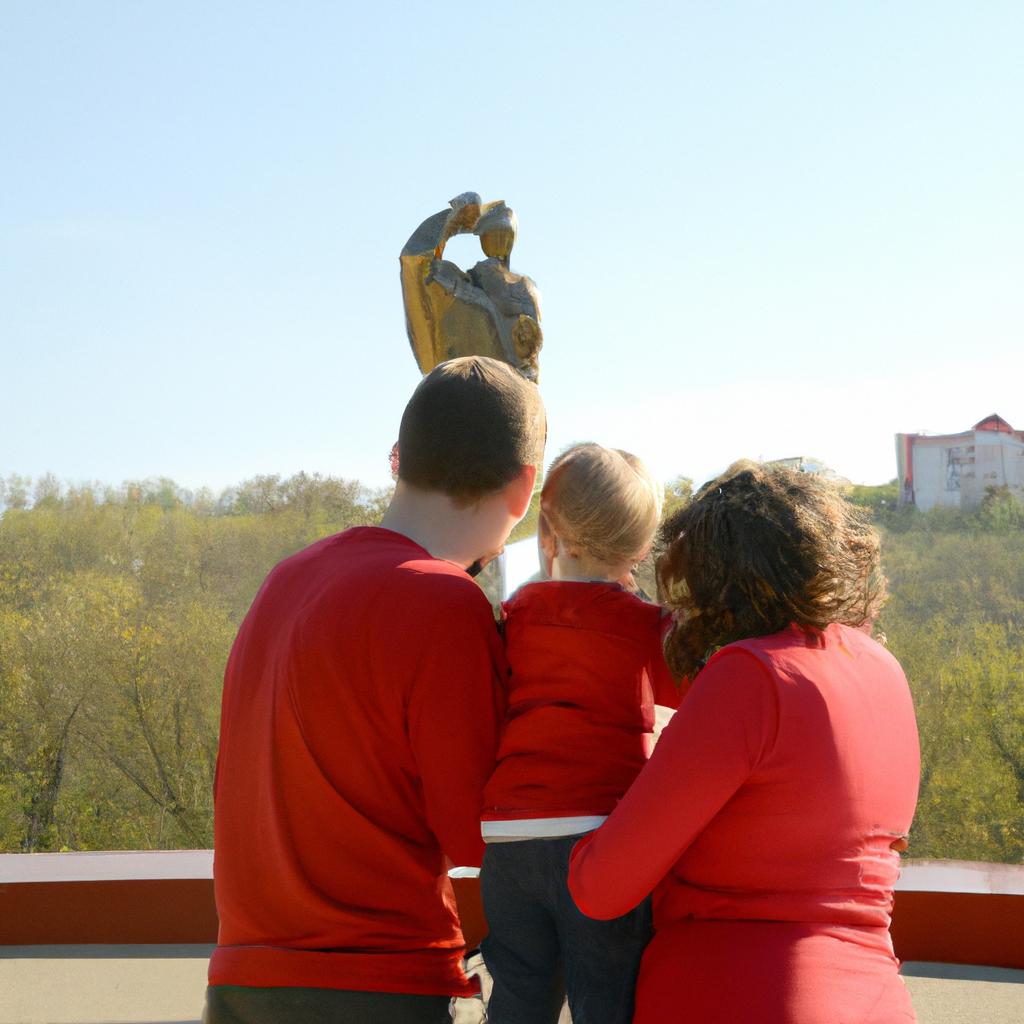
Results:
<point x="723" y="729"/>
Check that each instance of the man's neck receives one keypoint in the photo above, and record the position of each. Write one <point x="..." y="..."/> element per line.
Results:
<point x="453" y="533"/>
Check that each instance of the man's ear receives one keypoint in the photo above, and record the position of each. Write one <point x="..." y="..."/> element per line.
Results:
<point x="519" y="491"/>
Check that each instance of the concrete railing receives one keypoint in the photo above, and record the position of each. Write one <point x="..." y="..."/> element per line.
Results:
<point x="945" y="911"/>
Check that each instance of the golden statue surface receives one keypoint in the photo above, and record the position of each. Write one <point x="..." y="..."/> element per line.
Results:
<point x="485" y="311"/>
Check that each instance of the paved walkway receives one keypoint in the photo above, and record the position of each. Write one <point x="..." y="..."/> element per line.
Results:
<point x="164" y="985"/>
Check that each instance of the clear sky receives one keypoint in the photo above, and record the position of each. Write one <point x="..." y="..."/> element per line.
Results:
<point x="759" y="229"/>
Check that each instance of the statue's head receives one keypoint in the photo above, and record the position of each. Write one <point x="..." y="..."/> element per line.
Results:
<point x="497" y="230"/>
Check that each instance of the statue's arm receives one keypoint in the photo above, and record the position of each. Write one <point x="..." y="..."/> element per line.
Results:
<point x="429" y="239"/>
<point x="426" y="238"/>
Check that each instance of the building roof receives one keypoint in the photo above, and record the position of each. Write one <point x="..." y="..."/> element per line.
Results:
<point x="995" y="423"/>
<point x="990" y="424"/>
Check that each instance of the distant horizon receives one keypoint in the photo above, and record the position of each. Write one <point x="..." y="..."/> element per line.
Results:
<point x="217" y="489"/>
<point x="383" y="480"/>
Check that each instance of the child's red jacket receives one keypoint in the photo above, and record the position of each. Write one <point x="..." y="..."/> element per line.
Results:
<point x="585" y="670"/>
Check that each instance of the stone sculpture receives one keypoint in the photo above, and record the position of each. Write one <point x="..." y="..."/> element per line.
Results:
<point x="487" y="310"/>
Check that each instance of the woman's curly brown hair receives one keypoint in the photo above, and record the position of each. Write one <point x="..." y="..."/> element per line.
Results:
<point x="758" y="548"/>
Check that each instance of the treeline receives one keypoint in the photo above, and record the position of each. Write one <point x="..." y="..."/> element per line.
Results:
<point x="955" y="620"/>
<point x="117" y="610"/>
<point x="118" y="607"/>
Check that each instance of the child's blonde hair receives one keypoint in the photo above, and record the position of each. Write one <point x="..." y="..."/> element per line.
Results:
<point x="603" y="501"/>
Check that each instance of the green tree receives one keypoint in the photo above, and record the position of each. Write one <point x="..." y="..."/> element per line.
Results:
<point x="117" y="610"/>
<point x="954" y="621"/>
<point x="877" y="496"/>
<point x="678" y="492"/>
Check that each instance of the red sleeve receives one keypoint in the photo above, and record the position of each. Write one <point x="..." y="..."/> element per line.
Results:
<point x="722" y="730"/>
<point x="453" y="718"/>
<point x="667" y="692"/>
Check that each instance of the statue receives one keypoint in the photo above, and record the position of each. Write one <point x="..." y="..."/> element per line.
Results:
<point x="486" y="311"/>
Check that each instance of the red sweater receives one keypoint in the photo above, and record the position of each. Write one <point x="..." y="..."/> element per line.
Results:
<point x="774" y="795"/>
<point x="358" y="726"/>
<point x="586" y="669"/>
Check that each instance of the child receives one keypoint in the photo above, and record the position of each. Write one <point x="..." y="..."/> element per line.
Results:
<point x="585" y="667"/>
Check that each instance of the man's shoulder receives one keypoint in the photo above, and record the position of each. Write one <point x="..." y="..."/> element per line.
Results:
<point x="376" y="565"/>
<point x="405" y="569"/>
<point x="444" y="585"/>
<point x="372" y="549"/>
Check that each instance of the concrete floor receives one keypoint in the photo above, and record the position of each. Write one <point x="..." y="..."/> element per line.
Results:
<point x="164" y="985"/>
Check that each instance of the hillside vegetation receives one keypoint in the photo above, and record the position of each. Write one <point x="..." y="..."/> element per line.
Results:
<point x="955" y="620"/>
<point x="117" y="610"/>
<point x="118" y="607"/>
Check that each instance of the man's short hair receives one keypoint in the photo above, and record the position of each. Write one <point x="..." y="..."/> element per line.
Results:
<point x="469" y="428"/>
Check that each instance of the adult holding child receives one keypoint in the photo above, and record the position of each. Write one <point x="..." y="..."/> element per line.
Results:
<point x="359" y="725"/>
<point x="768" y="820"/>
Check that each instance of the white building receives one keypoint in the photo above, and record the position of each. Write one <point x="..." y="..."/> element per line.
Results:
<point x="808" y="464"/>
<point x="955" y="470"/>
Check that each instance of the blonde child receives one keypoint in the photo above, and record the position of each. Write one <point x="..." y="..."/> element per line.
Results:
<point x="585" y="670"/>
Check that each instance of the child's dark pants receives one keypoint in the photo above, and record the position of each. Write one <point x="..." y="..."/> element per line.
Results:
<point x="541" y="947"/>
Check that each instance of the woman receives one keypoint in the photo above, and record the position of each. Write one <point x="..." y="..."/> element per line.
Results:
<point x="768" y="820"/>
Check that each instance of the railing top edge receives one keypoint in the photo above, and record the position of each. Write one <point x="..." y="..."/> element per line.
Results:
<point x="961" y="876"/>
<point x="126" y="865"/>
<point x="107" y="865"/>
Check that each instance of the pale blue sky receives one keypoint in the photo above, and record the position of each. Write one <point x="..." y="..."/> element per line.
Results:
<point x="759" y="229"/>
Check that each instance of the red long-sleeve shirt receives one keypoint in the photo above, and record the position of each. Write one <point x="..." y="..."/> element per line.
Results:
<point x="764" y="825"/>
<point x="358" y="726"/>
<point x="586" y="669"/>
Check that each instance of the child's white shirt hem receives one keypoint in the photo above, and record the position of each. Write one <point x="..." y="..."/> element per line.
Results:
<point x="513" y="830"/>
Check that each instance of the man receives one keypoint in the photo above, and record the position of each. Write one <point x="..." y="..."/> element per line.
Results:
<point x="359" y="725"/>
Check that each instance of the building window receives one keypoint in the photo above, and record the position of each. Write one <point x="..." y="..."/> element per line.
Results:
<point x="959" y="465"/>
